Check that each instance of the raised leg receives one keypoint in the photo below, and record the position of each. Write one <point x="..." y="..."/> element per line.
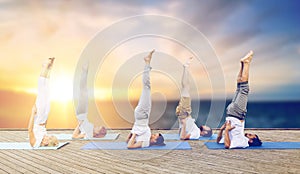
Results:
<point x="143" y="109"/>
<point x="238" y="106"/>
<point x="43" y="98"/>
<point x="184" y="109"/>
<point x="244" y="70"/>
<point x="82" y="107"/>
<point x="185" y="83"/>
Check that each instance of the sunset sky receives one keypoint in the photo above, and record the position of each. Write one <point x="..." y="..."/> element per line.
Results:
<point x="31" y="31"/>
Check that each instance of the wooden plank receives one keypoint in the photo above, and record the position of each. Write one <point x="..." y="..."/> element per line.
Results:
<point x="71" y="159"/>
<point x="55" y="161"/>
<point x="19" y="165"/>
<point x="39" y="161"/>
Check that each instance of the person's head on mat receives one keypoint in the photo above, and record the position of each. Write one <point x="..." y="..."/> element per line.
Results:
<point x="157" y="140"/>
<point x="99" y="131"/>
<point x="205" y="131"/>
<point x="50" y="141"/>
<point x="253" y="139"/>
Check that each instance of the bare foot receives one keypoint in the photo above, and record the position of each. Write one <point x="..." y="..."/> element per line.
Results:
<point x="47" y="67"/>
<point x="247" y="58"/>
<point x="188" y="62"/>
<point x="49" y="63"/>
<point x="148" y="58"/>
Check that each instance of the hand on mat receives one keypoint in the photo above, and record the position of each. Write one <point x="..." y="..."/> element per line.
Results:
<point x="228" y="126"/>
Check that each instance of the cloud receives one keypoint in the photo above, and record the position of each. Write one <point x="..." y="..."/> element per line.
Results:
<point x="62" y="28"/>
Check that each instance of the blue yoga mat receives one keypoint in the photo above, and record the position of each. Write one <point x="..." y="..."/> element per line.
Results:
<point x="26" y="146"/>
<point x="265" y="145"/>
<point x="111" y="136"/>
<point x="123" y="146"/>
<point x="177" y="137"/>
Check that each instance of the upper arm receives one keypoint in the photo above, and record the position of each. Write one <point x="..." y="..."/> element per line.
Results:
<point x="135" y="145"/>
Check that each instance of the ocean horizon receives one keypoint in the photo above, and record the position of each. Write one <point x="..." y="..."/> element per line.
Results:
<point x="15" y="112"/>
<point x="260" y="114"/>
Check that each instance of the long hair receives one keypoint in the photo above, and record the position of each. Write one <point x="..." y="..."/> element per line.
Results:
<point x="53" y="141"/>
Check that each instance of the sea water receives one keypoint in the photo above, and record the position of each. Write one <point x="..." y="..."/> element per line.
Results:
<point x="260" y="114"/>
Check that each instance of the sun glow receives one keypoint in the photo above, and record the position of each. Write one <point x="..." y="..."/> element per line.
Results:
<point x="61" y="88"/>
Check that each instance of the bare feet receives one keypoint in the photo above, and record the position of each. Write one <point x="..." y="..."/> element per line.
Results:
<point x="188" y="62"/>
<point x="47" y="67"/>
<point x="49" y="63"/>
<point x="148" y="58"/>
<point x="51" y="60"/>
<point x="247" y="58"/>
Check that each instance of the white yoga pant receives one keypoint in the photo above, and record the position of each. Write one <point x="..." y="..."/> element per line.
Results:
<point x="42" y="101"/>
<point x="185" y="84"/>
<point x="82" y="108"/>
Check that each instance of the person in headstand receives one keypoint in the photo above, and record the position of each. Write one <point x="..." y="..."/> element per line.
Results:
<point x="236" y="113"/>
<point x="85" y="129"/>
<point x="187" y="127"/>
<point x="140" y="135"/>
<point x="40" y="111"/>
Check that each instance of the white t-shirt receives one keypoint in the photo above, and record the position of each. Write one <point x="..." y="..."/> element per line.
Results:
<point x="143" y="133"/>
<point x="191" y="128"/>
<point x="39" y="133"/>
<point x="236" y="135"/>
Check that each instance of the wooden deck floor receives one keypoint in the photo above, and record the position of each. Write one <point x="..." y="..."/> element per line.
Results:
<point x="70" y="159"/>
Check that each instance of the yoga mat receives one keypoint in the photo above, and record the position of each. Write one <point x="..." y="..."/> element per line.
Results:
<point x="265" y="145"/>
<point x="123" y="146"/>
<point x="177" y="137"/>
<point x="26" y="146"/>
<point x="111" y="136"/>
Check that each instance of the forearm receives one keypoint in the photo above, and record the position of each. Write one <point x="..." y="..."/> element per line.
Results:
<point x="227" y="139"/>
<point x="129" y="137"/>
<point x="76" y="132"/>
<point x="30" y="130"/>
<point x="220" y="135"/>
<point x="31" y="123"/>
<point x="183" y="132"/>
<point x="132" y="140"/>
